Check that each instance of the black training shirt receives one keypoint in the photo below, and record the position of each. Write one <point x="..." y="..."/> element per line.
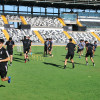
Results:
<point x="26" y="43"/>
<point x="9" y="45"/>
<point x="90" y="47"/>
<point x="3" y="55"/>
<point x="71" y="48"/>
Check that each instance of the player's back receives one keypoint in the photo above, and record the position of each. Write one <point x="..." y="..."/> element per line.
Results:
<point x="70" y="47"/>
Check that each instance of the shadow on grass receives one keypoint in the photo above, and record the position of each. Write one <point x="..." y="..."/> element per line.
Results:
<point x="2" y="86"/>
<point x="74" y="62"/>
<point x="52" y="64"/>
<point x="18" y="59"/>
<point x="18" y="54"/>
<point x="39" y="53"/>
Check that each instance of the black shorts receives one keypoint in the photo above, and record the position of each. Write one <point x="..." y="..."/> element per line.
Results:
<point x="10" y="52"/>
<point x="69" y="55"/>
<point x="3" y="71"/>
<point x="79" y="50"/>
<point x="26" y="50"/>
<point x="89" y="54"/>
<point x="49" y="48"/>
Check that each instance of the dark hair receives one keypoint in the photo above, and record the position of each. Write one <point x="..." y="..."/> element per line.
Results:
<point x="10" y="38"/>
<point x="86" y="41"/>
<point x="24" y="37"/>
<point x="70" y="39"/>
<point x="95" y="41"/>
<point x="1" y="40"/>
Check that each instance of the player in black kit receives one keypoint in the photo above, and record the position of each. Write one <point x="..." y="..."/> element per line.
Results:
<point x="50" y="47"/>
<point x="4" y="58"/>
<point x="71" y="47"/>
<point x="30" y="43"/>
<point x="10" y="45"/>
<point x="89" y="52"/>
<point x="26" y="48"/>
<point x="45" y="47"/>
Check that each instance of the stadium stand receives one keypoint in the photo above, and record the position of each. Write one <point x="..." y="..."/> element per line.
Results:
<point x="43" y="22"/>
<point x="82" y="35"/>
<point x="57" y="35"/>
<point x="12" y="17"/>
<point x="98" y="34"/>
<point x="18" y="34"/>
<point x="1" y="21"/>
<point x="2" y="36"/>
<point x="91" y="24"/>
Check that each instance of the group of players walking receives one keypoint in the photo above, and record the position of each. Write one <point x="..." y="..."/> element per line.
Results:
<point x="90" y="50"/>
<point x="6" y="52"/>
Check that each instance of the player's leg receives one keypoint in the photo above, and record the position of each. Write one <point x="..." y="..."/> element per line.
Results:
<point x="25" y="57"/>
<point x="65" y="63"/>
<point x="86" y="59"/>
<point x="72" y="55"/>
<point x="11" y="58"/>
<point x="92" y="59"/>
<point x="93" y="52"/>
<point x="3" y="76"/>
<point x="67" y="57"/>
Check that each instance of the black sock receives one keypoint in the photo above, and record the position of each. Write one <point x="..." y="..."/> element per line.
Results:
<point x="73" y="65"/>
<point x="64" y="66"/>
<point x="10" y="62"/>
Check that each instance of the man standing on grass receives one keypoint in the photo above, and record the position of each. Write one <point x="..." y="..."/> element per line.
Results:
<point x="26" y="48"/>
<point x="71" y="48"/>
<point x="4" y="58"/>
<point x="95" y="46"/>
<point x="80" y="48"/>
<point x="10" y="45"/>
<point x="45" y="47"/>
<point x="30" y="43"/>
<point x="50" y="47"/>
<point x="89" y="52"/>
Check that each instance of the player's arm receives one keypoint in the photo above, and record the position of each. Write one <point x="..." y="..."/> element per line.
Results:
<point x="13" y="44"/>
<point x="93" y="49"/>
<point x="86" y="49"/>
<point x="66" y="48"/>
<point x="4" y="60"/>
<point x="75" y="48"/>
<point x="5" y="46"/>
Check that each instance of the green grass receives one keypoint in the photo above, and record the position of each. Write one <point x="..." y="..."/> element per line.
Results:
<point x="46" y="79"/>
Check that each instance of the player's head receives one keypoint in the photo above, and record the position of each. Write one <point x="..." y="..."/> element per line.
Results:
<point x="49" y="39"/>
<point x="1" y="42"/>
<point x="10" y="38"/>
<point x="70" y="40"/>
<point x="24" y="37"/>
<point x="28" y="37"/>
<point x="86" y="42"/>
<point x="95" y="42"/>
<point x="80" y="40"/>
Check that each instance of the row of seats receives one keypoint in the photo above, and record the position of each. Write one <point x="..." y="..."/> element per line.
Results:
<point x="12" y="17"/>
<point x="35" y="21"/>
<point x="90" y="24"/>
<point x="77" y="36"/>
<point x="43" y="21"/>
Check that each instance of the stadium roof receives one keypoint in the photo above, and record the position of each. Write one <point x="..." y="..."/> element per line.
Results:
<point x="79" y="4"/>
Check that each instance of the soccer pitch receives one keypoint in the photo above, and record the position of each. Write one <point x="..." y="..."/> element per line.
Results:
<point x="43" y="78"/>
